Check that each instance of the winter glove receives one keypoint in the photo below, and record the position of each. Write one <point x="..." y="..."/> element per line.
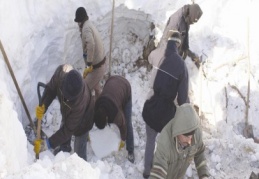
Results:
<point x="37" y="146"/>
<point x="41" y="145"/>
<point x="122" y="144"/>
<point x="40" y="110"/>
<point x="87" y="70"/>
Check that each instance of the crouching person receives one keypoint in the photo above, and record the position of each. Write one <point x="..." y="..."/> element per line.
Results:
<point x="114" y="105"/>
<point x="178" y="144"/>
<point x="76" y="108"/>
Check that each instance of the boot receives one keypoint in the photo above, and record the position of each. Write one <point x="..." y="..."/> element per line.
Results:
<point x="131" y="157"/>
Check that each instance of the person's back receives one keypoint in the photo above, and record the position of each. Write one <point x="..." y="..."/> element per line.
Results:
<point x="114" y="105"/>
<point x="169" y="79"/>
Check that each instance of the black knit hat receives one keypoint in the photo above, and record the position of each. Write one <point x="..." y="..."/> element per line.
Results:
<point x="81" y="14"/>
<point x="100" y="117"/>
<point x="72" y="85"/>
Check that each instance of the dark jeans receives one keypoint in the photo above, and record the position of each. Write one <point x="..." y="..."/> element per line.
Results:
<point x="130" y="136"/>
<point x="80" y="146"/>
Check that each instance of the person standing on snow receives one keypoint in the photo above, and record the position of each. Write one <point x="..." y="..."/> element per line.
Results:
<point x="181" y="21"/>
<point x="114" y="105"/>
<point x="76" y="106"/>
<point x="169" y="81"/>
<point x="93" y="51"/>
<point x="179" y="143"/>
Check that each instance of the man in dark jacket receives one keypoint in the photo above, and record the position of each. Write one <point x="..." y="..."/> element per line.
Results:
<point x="179" y="143"/>
<point x="181" y="21"/>
<point x="76" y="106"/>
<point x="168" y="82"/>
<point x="114" y="105"/>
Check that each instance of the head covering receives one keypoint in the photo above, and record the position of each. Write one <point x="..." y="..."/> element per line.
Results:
<point x="195" y="13"/>
<point x="174" y="35"/>
<point x="81" y="14"/>
<point x="100" y="117"/>
<point x="189" y="133"/>
<point x="72" y="85"/>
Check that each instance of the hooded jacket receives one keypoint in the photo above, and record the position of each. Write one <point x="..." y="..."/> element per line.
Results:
<point x="169" y="81"/>
<point x="114" y="97"/>
<point x="170" y="160"/>
<point x="77" y="115"/>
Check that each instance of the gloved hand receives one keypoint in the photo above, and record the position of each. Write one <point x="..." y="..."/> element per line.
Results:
<point x="87" y="70"/>
<point x="37" y="146"/>
<point x="122" y="144"/>
<point x="40" y="110"/>
<point x="41" y="145"/>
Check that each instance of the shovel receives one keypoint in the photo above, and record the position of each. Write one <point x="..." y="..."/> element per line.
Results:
<point x="40" y="84"/>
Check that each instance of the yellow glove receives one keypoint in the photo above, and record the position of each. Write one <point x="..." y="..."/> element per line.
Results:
<point x="40" y="110"/>
<point x="122" y="144"/>
<point x="87" y="70"/>
<point x="37" y="146"/>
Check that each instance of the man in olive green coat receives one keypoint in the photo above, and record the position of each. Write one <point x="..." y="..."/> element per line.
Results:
<point x="179" y="143"/>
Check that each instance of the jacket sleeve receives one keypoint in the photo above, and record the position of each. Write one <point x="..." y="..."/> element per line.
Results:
<point x="50" y="91"/>
<point x="121" y="123"/>
<point x="183" y="88"/>
<point x="160" y="162"/>
<point x="200" y="160"/>
<point x="89" y="43"/>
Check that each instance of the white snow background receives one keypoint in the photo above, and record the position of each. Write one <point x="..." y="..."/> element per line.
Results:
<point x="40" y="35"/>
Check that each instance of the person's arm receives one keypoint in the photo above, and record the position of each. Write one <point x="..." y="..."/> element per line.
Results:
<point x="160" y="162"/>
<point x="121" y="123"/>
<point x="200" y="160"/>
<point x="183" y="88"/>
<point x="50" y="91"/>
<point x="88" y="39"/>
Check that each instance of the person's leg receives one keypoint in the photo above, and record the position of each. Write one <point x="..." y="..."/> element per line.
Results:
<point x="149" y="151"/>
<point x="65" y="147"/>
<point x="80" y="145"/>
<point x="93" y="79"/>
<point x="130" y="135"/>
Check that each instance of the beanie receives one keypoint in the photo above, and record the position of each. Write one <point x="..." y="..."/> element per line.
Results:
<point x="81" y="14"/>
<point x="175" y="36"/>
<point x="72" y="85"/>
<point x="100" y="117"/>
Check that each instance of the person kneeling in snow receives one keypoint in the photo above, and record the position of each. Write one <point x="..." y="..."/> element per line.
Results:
<point x="114" y="105"/>
<point x="76" y="106"/>
<point x="178" y="144"/>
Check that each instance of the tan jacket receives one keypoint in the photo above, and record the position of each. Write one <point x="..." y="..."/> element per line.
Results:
<point x="92" y="43"/>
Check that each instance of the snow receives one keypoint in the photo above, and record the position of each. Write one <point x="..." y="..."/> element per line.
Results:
<point x="37" y="37"/>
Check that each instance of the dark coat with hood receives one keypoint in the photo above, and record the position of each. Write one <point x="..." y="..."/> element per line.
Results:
<point x="77" y="115"/>
<point x="171" y="80"/>
<point x="171" y="160"/>
<point x="114" y="97"/>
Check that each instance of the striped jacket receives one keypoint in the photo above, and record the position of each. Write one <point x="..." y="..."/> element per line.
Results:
<point x="170" y="160"/>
